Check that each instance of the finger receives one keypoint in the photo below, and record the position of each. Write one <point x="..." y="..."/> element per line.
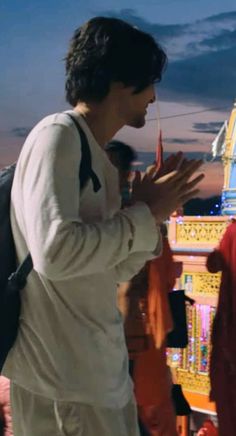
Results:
<point x="150" y="172"/>
<point x="174" y="156"/>
<point x="188" y="196"/>
<point x="170" y="164"/>
<point x="179" y="160"/>
<point x="190" y="185"/>
<point x="184" y="164"/>
<point x="190" y="168"/>
<point x="169" y="177"/>
<point x="181" y="176"/>
<point x="172" y="159"/>
<point x="193" y="165"/>
<point x="195" y="181"/>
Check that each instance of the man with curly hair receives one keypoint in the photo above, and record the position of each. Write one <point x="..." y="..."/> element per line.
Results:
<point x="69" y="364"/>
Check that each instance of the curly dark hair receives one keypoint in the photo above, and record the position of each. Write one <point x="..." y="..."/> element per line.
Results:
<point x="106" y="50"/>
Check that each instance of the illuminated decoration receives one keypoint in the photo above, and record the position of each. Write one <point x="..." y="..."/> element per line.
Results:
<point x="193" y="382"/>
<point x="192" y="238"/>
<point x="203" y="283"/>
<point x="187" y="232"/>
<point x="192" y="231"/>
<point x="229" y="161"/>
<point x="193" y="361"/>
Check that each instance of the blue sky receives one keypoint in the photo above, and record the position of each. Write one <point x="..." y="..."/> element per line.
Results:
<point x="199" y="37"/>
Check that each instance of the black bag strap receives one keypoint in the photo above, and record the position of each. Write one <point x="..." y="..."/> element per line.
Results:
<point x="85" y="172"/>
<point x="18" y="278"/>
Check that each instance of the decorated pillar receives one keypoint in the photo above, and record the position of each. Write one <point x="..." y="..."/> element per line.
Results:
<point x="229" y="161"/>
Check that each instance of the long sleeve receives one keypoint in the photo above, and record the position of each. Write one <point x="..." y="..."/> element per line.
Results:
<point x="61" y="243"/>
<point x="135" y="261"/>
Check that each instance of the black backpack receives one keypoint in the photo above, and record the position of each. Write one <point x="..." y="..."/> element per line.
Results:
<point x="13" y="278"/>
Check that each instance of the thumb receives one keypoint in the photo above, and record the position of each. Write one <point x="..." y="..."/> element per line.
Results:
<point x="171" y="176"/>
<point x="150" y="171"/>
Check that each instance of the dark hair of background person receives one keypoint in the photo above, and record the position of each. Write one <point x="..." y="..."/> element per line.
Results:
<point x="106" y="50"/>
<point x="121" y="155"/>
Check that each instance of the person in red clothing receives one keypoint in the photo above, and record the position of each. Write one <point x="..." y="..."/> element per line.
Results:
<point x="208" y="429"/>
<point x="5" y="408"/>
<point x="223" y="357"/>
<point x="151" y="374"/>
<point x="144" y="304"/>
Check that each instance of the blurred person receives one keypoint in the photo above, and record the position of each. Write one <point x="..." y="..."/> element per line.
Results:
<point x="122" y="157"/>
<point x="151" y="374"/>
<point x="208" y="429"/>
<point x="145" y="307"/>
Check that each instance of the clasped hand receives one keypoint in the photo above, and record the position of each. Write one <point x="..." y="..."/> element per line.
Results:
<point x="166" y="189"/>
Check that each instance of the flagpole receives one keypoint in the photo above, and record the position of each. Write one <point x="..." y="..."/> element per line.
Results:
<point x="158" y="124"/>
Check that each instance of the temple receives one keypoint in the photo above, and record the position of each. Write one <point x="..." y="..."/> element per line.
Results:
<point x="229" y="160"/>
<point x="192" y="238"/>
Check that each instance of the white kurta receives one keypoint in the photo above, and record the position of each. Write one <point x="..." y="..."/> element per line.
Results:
<point x="71" y="343"/>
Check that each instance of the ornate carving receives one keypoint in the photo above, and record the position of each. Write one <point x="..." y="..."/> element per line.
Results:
<point x="192" y="363"/>
<point x="195" y="232"/>
<point x="201" y="283"/>
<point x="193" y="382"/>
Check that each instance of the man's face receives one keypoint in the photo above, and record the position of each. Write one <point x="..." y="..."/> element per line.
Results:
<point x="134" y="106"/>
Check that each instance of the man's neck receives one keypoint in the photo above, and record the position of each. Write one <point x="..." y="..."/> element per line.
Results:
<point x="101" y="119"/>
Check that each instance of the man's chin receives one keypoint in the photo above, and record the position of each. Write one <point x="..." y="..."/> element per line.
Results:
<point x="138" y="123"/>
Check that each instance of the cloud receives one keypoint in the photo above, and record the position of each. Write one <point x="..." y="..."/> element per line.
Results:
<point x="146" y="158"/>
<point x="181" y="141"/>
<point x="211" y="185"/>
<point x="223" y="17"/>
<point x="189" y="39"/>
<point x="223" y="41"/>
<point x="202" y="61"/>
<point x="20" y="132"/>
<point x="208" y="79"/>
<point x="211" y="127"/>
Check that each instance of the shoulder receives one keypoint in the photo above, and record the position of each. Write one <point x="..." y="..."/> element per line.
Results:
<point x="61" y="120"/>
<point x="55" y="132"/>
<point x="54" y="140"/>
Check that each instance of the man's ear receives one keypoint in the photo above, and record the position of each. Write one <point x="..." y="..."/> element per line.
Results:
<point x="120" y="86"/>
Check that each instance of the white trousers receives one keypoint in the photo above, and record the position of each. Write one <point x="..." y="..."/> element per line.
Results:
<point x="34" y="415"/>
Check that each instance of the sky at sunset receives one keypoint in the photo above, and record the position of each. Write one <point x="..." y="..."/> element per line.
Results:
<point x="198" y="35"/>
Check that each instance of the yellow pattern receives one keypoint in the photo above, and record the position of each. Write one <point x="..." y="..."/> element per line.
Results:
<point x="200" y="232"/>
<point x="202" y="283"/>
<point x="193" y="382"/>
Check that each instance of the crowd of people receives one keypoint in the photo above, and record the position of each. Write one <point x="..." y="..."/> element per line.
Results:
<point x="69" y="369"/>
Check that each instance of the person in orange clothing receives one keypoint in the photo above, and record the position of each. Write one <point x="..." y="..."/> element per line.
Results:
<point x="223" y="357"/>
<point x="151" y="374"/>
<point x="147" y="318"/>
<point x="145" y="306"/>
